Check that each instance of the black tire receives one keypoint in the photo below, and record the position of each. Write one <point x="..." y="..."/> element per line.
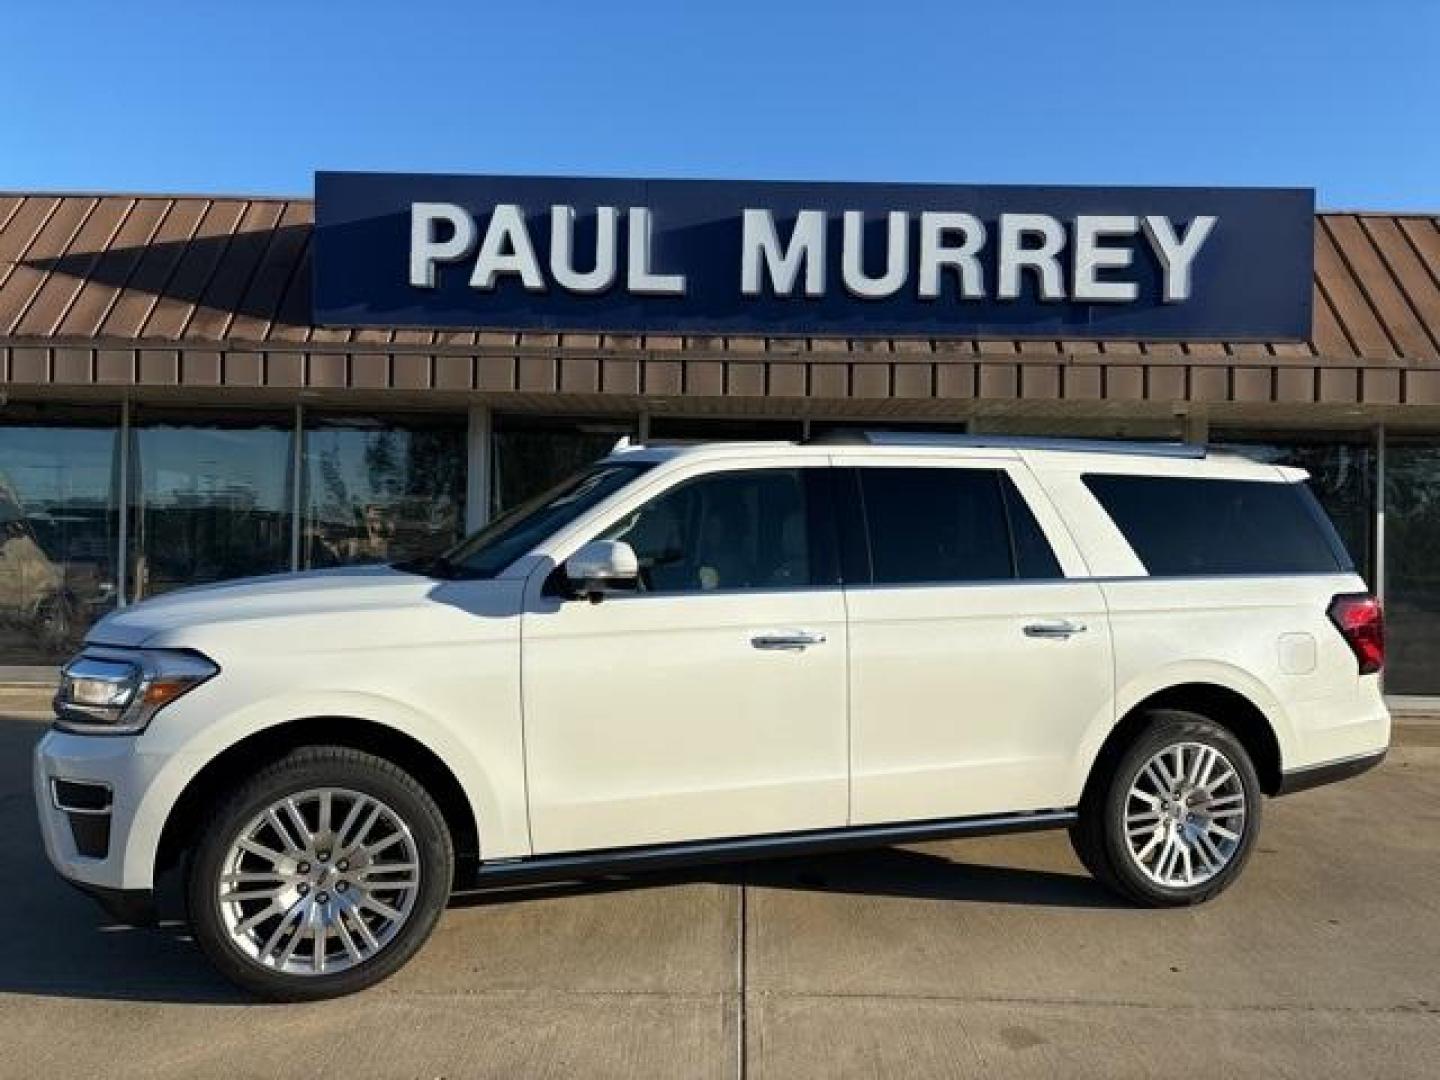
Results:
<point x="304" y="769"/>
<point x="1099" y="837"/>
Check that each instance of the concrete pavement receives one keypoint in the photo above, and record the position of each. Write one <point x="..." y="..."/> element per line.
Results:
<point x="993" y="958"/>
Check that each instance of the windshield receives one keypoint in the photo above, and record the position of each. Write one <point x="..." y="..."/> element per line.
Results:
<point x="489" y="551"/>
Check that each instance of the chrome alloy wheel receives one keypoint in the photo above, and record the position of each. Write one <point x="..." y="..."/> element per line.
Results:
<point x="319" y="881"/>
<point x="1185" y="815"/>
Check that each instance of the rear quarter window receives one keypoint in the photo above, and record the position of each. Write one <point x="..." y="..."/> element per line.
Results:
<point x="1183" y="526"/>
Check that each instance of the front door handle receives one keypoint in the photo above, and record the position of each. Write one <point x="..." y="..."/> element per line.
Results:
<point x="1060" y="628"/>
<point x="787" y="640"/>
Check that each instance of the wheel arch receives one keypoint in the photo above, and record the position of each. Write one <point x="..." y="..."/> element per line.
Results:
<point x="243" y="757"/>
<point x="1233" y="710"/>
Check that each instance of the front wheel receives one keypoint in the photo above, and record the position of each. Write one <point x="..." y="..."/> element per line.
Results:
<point x="1176" y="818"/>
<point x="320" y="875"/>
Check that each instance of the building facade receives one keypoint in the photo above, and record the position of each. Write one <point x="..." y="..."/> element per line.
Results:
<point x="171" y="414"/>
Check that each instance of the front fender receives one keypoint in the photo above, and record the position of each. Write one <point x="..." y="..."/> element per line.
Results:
<point x="186" y="748"/>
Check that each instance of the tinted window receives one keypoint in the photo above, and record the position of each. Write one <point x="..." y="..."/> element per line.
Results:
<point x="1178" y="525"/>
<point x="930" y="525"/>
<point x="1033" y="555"/>
<point x="735" y="530"/>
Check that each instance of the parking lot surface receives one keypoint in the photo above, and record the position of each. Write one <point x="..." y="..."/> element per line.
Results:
<point x="994" y="958"/>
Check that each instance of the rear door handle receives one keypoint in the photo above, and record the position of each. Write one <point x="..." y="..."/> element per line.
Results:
<point x="1060" y="628"/>
<point x="787" y="640"/>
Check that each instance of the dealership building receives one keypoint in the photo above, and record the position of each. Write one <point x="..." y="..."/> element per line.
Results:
<point x="200" y="388"/>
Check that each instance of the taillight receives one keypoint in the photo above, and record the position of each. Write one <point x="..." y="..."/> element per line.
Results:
<point x="1358" y="618"/>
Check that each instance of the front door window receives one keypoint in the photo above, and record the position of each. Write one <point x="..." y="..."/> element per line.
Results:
<point x="739" y="530"/>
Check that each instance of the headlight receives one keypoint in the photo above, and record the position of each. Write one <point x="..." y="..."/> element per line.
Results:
<point x="116" y="692"/>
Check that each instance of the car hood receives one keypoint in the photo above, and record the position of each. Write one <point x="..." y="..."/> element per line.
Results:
<point x="310" y="598"/>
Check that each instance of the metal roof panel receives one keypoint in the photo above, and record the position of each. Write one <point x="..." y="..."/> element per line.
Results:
<point x="236" y="272"/>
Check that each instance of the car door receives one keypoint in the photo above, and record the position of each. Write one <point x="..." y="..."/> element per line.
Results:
<point x="710" y="702"/>
<point x="978" y="668"/>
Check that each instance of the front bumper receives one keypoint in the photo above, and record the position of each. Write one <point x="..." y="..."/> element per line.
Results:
<point x="133" y="907"/>
<point x="102" y="852"/>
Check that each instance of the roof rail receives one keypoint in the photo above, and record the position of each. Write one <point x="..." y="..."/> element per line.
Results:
<point x="1006" y="442"/>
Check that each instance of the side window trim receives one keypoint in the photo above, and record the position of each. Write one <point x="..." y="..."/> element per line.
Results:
<point x="1005" y="485"/>
<point x="852" y="522"/>
<point x="1020" y="518"/>
<point x="821" y="514"/>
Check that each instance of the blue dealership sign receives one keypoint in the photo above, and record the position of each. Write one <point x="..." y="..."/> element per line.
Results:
<point x="717" y="256"/>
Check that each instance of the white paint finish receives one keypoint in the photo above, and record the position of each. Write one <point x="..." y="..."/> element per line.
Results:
<point x="654" y="718"/>
<point x="955" y="710"/>
<point x="1297" y="654"/>
<point x="1226" y="631"/>
<point x="437" y="661"/>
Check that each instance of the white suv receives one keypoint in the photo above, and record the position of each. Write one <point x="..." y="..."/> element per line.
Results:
<point x="698" y="653"/>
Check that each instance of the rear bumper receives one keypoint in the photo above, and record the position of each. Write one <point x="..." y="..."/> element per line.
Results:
<point x="1328" y="772"/>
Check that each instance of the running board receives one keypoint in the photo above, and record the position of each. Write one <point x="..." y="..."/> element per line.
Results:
<point x="582" y="864"/>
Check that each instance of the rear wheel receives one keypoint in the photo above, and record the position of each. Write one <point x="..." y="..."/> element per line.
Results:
<point x="1176" y="818"/>
<point x="319" y="876"/>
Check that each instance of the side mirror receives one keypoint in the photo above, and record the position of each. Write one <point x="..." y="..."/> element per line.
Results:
<point x="602" y="566"/>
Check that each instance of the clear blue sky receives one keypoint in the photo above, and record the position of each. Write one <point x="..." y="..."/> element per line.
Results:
<point x="252" y="97"/>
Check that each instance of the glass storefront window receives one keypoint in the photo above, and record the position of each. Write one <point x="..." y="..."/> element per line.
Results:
<point x="1153" y="428"/>
<point x="1342" y="476"/>
<point x="382" y="488"/>
<point x="1412" y="566"/>
<point x="531" y="454"/>
<point x="822" y="428"/>
<point x="210" y="497"/>
<point x="721" y="429"/>
<point x="58" y="523"/>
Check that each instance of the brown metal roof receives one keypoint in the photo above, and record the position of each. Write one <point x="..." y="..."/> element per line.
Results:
<point x="206" y="291"/>
<point x="236" y="271"/>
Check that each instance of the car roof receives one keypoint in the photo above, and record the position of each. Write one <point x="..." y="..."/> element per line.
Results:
<point x="1060" y="455"/>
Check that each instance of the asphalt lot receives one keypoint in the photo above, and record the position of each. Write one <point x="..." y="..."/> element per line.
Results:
<point x="994" y="958"/>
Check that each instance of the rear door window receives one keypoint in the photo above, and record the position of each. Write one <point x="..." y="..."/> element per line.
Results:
<point x="1184" y="526"/>
<point x="946" y="525"/>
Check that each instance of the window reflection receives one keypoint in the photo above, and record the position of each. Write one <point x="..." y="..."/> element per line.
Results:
<point x="210" y="498"/>
<point x="382" y="489"/>
<point x="722" y="429"/>
<point x="58" y="522"/>
<point x="1412" y="567"/>
<point x="534" y="453"/>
